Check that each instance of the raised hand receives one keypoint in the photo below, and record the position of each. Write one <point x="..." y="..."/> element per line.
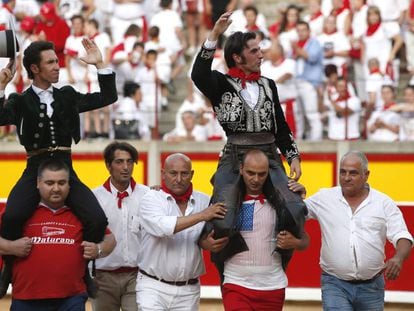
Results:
<point x="6" y="75"/>
<point x="216" y="210"/>
<point x="93" y="55"/>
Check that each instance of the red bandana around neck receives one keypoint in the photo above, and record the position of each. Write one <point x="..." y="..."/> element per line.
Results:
<point x="260" y="197"/>
<point x="375" y="70"/>
<point x="336" y="12"/>
<point x="120" y="195"/>
<point x="240" y="74"/>
<point x="183" y="198"/>
<point x="372" y="29"/>
<point x="343" y="97"/>
<point x="388" y="105"/>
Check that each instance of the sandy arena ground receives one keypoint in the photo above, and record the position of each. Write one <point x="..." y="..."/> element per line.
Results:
<point x="215" y="305"/>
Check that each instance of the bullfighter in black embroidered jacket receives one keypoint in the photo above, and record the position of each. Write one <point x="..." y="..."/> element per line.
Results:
<point x="47" y="120"/>
<point x="247" y="107"/>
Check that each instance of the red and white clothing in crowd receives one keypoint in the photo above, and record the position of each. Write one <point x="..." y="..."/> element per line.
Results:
<point x="388" y="117"/>
<point x="123" y="15"/>
<point x="391" y="10"/>
<point x="170" y="25"/>
<point x="159" y="212"/>
<point x="409" y="38"/>
<point x="315" y="22"/>
<point x="125" y="66"/>
<point x="164" y="60"/>
<point x="374" y="82"/>
<point x="150" y="105"/>
<point x="6" y="16"/>
<point x="358" y="30"/>
<point x="344" y="127"/>
<point x="57" y="31"/>
<point x="239" y="22"/>
<point x="287" y="92"/>
<point x="342" y="15"/>
<point x="378" y="43"/>
<point x="260" y="267"/>
<point x="103" y="42"/>
<point x="335" y="42"/>
<point x="55" y="266"/>
<point x="74" y="50"/>
<point x="286" y="38"/>
<point x="123" y="221"/>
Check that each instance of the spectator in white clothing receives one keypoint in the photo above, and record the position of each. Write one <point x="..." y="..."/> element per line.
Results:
<point x="343" y="114"/>
<point x="171" y="222"/>
<point x="191" y="131"/>
<point x="384" y="124"/>
<point x="119" y="197"/>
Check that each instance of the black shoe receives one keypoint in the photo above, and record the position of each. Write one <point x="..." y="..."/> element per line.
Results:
<point x="5" y="279"/>
<point x="91" y="287"/>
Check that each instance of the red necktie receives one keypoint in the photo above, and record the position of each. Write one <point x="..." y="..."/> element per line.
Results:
<point x="261" y="198"/>
<point x="120" y="196"/>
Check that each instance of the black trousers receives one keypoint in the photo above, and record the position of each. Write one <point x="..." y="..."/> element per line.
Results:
<point x="227" y="174"/>
<point x="24" y="199"/>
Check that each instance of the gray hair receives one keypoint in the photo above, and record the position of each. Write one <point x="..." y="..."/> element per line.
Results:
<point x="360" y="155"/>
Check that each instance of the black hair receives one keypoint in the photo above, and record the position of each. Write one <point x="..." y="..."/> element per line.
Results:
<point x="235" y="44"/>
<point x="31" y="55"/>
<point x="53" y="165"/>
<point x="109" y="151"/>
<point x="130" y="87"/>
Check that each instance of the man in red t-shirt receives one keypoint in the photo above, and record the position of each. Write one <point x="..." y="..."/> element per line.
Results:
<point x="52" y="274"/>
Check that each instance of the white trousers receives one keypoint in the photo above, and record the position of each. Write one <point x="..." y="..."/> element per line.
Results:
<point x="156" y="295"/>
<point x="308" y="100"/>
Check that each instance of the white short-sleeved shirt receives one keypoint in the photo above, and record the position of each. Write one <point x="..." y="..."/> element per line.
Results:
<point x="74" y="48"/>
<point x="353" y="244"/>
<point x="169" y="256"/>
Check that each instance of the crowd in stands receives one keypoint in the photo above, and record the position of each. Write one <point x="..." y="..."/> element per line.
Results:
<point x="336" y="63"/>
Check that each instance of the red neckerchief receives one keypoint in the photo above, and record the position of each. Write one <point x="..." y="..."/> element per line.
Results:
<point x="372" y="29"/>
<point x="336" y="12"/>
<point x="252" y="28"/>
<point x="260" y="197"/>
<point x="375" y="70"/>
<point x="78" y="35"/>
<point x="120" y="195"/>
<point x="388" y="106"/>
<point x="316" y="15"/>
<point x="236" y="72"/>
<point x="302" y="43"/>
<point x="182" y="198"/>
<point x="345" y="97"/>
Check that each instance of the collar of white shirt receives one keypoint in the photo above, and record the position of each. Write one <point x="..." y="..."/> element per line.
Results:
<point x="39" y="91"/>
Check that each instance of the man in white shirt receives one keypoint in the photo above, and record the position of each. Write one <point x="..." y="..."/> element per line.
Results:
<point x="171" y="221"/>
<point x="254" y="276"/>
<point x="119" y="197"/>
<point x="356" y="221"/>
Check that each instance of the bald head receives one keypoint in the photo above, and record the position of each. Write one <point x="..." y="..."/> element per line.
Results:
<point x="254" y="170"/>
<point x="177" y="173"/>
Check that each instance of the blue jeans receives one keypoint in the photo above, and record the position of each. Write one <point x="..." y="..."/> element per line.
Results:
<point x="73" y="303"/>
<point x="345" y="296"/>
